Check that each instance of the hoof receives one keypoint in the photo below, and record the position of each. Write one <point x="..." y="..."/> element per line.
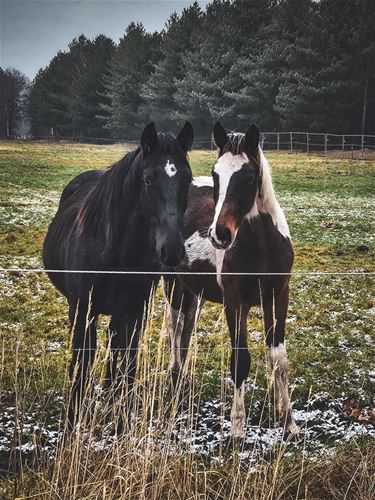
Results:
<point x="235" y="442"/>
<point x="237" y="431"/>
<point x="291" y="430"/>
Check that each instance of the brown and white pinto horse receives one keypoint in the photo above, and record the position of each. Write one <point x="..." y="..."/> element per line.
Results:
<point x="235" y="225"/>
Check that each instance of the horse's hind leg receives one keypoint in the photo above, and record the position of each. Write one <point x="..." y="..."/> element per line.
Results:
<point x="83" y="324"/>
<point x="239" y="365"/>
<point x="275" y="311"/>
<point x="181" y="316"/>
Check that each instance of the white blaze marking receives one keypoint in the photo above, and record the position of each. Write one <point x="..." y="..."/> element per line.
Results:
<point x="225" y="167"/>
<point x="170" y="169"/>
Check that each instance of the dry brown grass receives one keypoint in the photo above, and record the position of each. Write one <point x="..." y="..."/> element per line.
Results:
<point x="150" y="462"/>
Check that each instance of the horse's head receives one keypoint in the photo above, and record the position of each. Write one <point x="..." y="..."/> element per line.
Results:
<point x="165" y="184"/>
<point x="236" y="176"/>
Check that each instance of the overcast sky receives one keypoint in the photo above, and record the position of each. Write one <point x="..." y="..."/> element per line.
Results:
<point x="32" y="31"/>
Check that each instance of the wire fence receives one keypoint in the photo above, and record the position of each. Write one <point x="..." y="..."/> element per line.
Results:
<point x="353" y="146"/>
<point x="357" y="272"/>
<point x="198" y="144"/>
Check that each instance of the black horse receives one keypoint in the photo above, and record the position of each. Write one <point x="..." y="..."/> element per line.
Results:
<point x="126" y="218"/>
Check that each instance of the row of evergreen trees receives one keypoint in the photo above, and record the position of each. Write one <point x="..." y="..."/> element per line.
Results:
<point x="284" y="64"/>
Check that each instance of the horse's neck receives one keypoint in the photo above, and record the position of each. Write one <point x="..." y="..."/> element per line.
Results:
<point x="125" y="208"/>
<point x="132" y="219"/>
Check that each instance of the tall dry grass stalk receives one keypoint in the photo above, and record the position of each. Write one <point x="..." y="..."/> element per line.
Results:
<point x="155" y="458"/>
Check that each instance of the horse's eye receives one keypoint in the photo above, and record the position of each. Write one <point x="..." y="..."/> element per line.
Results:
<point x="147" y="181"/>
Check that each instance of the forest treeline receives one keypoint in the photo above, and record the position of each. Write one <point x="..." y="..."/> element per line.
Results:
<point x="283" y="64"/>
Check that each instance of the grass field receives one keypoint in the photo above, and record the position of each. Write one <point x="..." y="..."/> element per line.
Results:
<point x="329" y="204"/>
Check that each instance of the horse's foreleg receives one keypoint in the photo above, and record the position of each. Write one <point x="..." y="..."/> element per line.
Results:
<point x="275" y="311"/>
<point x="83" y="325"/>
<point x="125" y="334"/>
<point x="239" y="365"/>
<point x="175" y="325"/>
<point x="114" y="344"/>
<point x="181" y="315"/>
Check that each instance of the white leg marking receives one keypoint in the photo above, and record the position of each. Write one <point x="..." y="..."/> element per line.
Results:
<point x="278" y="361"/>
<point x="237" y="415"/>
<point x="175" y="326"/>
<point x="219" y="264"/>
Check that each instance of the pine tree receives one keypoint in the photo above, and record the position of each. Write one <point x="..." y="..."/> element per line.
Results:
<point x="49" y="98"/>
<point x="215" y="84"/>
<point x="251" y="84"/>
<point x="91" y="63"/>
<point x="131" y="67"/>
<point x="298" y="101"/>
<point x="177" y="40"/>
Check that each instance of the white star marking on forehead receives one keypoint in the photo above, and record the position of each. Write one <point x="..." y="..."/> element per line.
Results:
<point x="170" y="169"/>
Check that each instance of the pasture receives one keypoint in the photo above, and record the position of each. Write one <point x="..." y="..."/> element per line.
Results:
<point x="329" y="205"/>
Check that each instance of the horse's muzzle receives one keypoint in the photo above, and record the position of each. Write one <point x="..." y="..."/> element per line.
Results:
<point x="171" y="256"/>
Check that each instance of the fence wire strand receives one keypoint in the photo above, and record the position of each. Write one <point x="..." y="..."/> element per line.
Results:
<point x="186" y="273"/>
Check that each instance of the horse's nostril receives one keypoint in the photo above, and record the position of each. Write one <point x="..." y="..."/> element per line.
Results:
<point x="224" y="235"/>
<point x="163" y="253"/>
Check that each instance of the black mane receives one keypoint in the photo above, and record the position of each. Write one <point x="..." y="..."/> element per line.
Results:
<point x="99" y="214"/>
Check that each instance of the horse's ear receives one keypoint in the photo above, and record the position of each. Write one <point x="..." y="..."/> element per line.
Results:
<point x="220" y="136"/>
<point x="251" y="140"/>
<point x="149" y="139"/>
<point x="186" y="137"/>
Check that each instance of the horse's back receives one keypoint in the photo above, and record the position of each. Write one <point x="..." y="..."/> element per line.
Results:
<point x="58" y="239"/>
<point x="81" y="185"/>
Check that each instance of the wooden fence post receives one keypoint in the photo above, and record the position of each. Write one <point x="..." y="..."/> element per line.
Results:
<point x="325" y="143"/>
<point x="278" y="141"/>
<point x="291" y="142"/>
<point x="307" y="143"/>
